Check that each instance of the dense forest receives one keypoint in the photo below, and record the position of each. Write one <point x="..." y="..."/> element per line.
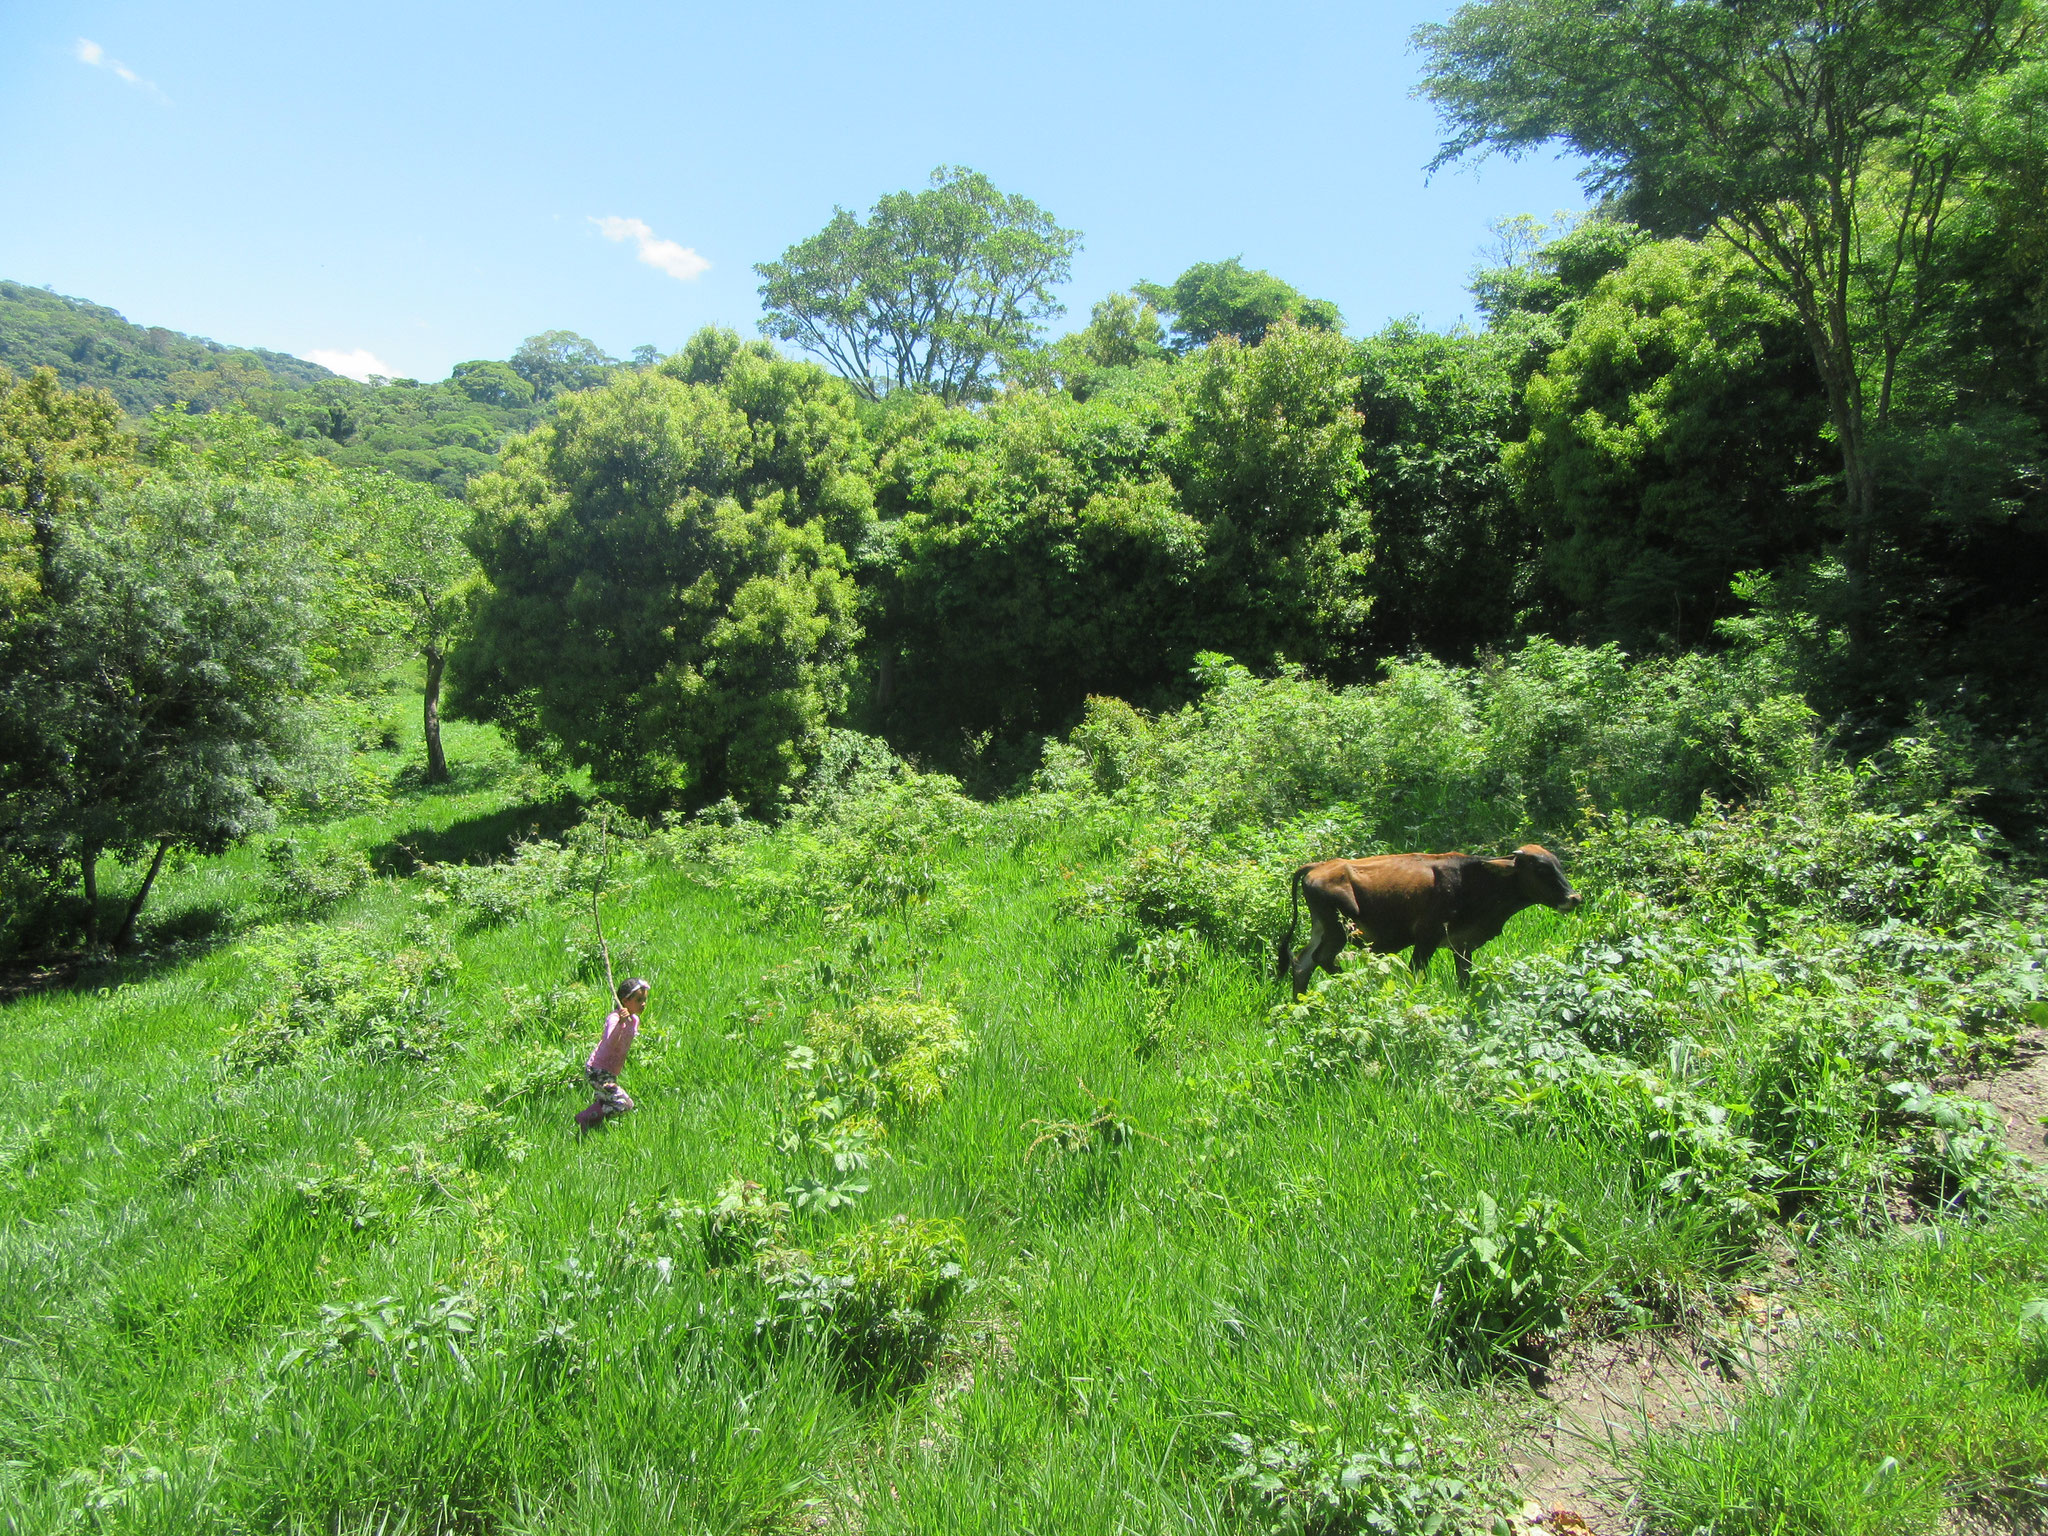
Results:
<point x="1782" y="389"/>
<point x="1774" y="405"/>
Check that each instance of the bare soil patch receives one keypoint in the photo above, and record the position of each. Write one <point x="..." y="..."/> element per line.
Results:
<point x="2019" y="1093"/>
<point x="1599" y="1396"/>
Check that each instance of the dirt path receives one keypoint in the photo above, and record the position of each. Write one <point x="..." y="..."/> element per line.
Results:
<point x="1600" y="1396"/>
<point x="2020" y="1095"/>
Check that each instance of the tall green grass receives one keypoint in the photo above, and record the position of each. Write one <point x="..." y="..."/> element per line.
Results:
<point x="1251" y="1255"/>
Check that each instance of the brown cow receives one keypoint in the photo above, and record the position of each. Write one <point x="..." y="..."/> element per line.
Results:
<point x="1425" y="899"/>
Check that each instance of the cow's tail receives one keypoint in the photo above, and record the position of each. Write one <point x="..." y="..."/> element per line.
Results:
<point x="1293" y="916"/>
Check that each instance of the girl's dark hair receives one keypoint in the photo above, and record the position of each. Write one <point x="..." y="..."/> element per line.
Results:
<point x="628" y="990"/>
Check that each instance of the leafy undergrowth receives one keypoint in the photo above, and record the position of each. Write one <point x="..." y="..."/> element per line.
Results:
<point x="982" y="1183"/>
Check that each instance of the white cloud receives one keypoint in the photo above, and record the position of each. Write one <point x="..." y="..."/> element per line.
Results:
<point x="90" y="52"/>
<point x="359" y="364"/>
<point x="678" y="261"/>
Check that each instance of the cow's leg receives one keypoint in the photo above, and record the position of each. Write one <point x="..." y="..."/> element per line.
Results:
<point x="1325" y="940"/>
<point x="1303" y="965"/>
<point x="1343" y="917"/>
<point x="1428" y="941"/>
<point x="1465" y="944"/>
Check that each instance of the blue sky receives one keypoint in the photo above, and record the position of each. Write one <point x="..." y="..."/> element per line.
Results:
<point x="428" y="182"/>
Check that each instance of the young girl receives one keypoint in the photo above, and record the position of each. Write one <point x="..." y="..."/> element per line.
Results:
<point x="620" y="1026"/>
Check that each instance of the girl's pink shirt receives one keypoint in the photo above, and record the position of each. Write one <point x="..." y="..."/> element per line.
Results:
<point x="619" y="1029"/>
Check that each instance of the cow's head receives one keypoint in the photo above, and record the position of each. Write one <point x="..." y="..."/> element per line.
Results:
<point x="1542" y="879"/>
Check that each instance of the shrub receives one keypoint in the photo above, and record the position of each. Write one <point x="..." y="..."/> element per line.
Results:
<point x="328" y="778"/>
<point x="740" y="1224"/>
<point x="203" y="1157"/>
<point x="482" y="1136"/>
<point x="1955" y="1147"/>
<point x="713" y="841"/>
<point x="546" y="1014"/>
<point x="892" y="1056"/>
<point x="309" y="877"/>
<point x="394" y="1334"/>
<point x="877" y="1298"/>
<point x="1369" y="1019"/>
<point x="1620" y="993"/>
<point x="320" y="987"/>
<point x="1397" y="1476"/>
<point x="539" y="871"/>
<point x="875" y="847"/>
<point x="1498" y="1282"/>
<point x="1437" y="756"/>
<point x="386" y="1189"/>
<point x="1823" y="844"/>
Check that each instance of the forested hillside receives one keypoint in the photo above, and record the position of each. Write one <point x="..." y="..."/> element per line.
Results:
<point x="439" y="434"/>
<point x="141" y="367"/>
<point x="940" y="708"/>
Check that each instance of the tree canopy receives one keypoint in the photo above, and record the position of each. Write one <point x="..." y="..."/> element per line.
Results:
<point x="556" y="362"/>
<point x="1226" y="298"/>
<point x="1809" y="134"/>
<point x="666" y="602"/>
<point x="150" y="695"/>
<point x="931" y="293"/>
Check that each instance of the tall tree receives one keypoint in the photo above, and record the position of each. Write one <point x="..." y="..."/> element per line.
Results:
<point x="665" y="602"/>
<point x="1038" y="554"/>
<point x="421" y="571"/>
<point x="149" y="698"/>
<point x="930" y="293"/>
<point x="1269" y="466"/>
<point x="1674" y="440"/>
<point x="1451" y="568"/>
<point x="1807" y="133"/>
<point x="55" y="444"/>
<point x="1227" y="298"/>
<point x="556" y="362"/>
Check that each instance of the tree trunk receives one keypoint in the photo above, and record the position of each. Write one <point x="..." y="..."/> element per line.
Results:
<point x="437" y="760"/>
<point x="1859" y="489"/>
<point x="163" y="846"/>
<point x="89" y="878"/>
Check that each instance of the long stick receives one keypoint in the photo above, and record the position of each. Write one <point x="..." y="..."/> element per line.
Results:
<point x="604" y="857"/>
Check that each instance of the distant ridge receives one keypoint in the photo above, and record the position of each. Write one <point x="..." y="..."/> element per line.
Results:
<point x="441" y="434"/>
<point x="143" y="367"/>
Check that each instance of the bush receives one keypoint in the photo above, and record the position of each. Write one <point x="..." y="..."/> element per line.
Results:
<point x="1366" y="1019"/>
<point x="715" y="840"/>
<point x="384" y="1190"/>
<point x="1436" y="757"/>
<point x="203" y="1157"/>
<point x="387" y="1330"/>
<point x="1498" y="1282"/>
<point x="326" y="988"/>
<point x="539" y="871"/>
<point x="1397" y="1476"/>
<point x="871" y="845"/>
<point x="310" y="877"/>
<point x="891" y="1057"/>
<point x="740" y="1224"/>
<point x="1823" y="844"/>
<point x="483" y="1136"/>
<point x="877" y="1298"/>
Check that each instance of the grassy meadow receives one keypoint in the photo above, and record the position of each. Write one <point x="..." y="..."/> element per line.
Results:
<point x="1066" y="1220"/>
